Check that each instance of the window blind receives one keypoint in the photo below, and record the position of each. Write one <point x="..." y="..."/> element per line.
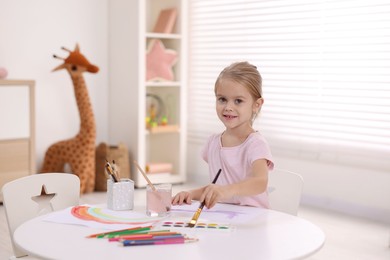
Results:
<point x="325" y="68"/>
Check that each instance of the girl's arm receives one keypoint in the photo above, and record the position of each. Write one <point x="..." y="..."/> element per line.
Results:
<point x="253" y="185"/>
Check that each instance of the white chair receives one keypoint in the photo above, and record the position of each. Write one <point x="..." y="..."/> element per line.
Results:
<point x="285" y="190"/>
<point x="23" y="201"/>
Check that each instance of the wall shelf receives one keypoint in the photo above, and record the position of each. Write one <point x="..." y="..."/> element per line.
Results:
<point x="131" y="25"/>
<point x="163" y="36"/>
<point x="163" y="84"/>
<point x="17" y="134"/>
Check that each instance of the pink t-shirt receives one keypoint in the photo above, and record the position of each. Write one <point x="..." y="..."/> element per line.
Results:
<point x="236" y="163"/>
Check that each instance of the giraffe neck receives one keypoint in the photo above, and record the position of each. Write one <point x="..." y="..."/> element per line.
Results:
<point x="87" y="120"/>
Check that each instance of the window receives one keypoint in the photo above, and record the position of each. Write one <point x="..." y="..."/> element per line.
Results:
<point x="325" y="68"/>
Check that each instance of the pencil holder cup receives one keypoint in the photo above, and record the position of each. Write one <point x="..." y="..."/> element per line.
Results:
<point x="158" y="200"/>
<point x="120" y="195"/>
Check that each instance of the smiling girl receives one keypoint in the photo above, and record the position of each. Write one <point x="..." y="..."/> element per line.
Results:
<point x="240" y="151"/>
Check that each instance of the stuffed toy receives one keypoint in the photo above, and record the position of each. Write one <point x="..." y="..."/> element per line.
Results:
<point x="77" y="152"/>
<point x="159" y="62"/>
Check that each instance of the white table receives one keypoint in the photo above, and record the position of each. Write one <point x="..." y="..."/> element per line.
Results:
<point x="274" y="235"/>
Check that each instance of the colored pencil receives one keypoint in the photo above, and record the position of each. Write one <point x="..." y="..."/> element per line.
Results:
<point x="144" y="237"/>
<point x="158" y="242"/>
<point x="147" y="238"/>
<point x="122" y="231"/>
<point x="199" y="210"/>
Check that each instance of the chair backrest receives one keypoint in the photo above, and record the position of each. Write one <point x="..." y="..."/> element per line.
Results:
<point x="285" y="190"/>
<point x="23" y="201"/>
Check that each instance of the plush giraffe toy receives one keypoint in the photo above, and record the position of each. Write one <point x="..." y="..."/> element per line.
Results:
<point x="78" y="152"/>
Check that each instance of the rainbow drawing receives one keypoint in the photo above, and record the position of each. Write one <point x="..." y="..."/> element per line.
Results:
<point x="106" y="216"/>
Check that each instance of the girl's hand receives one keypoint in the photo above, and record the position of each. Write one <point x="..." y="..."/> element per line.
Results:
<point x="212" y="194"/>
<point x="182" y="197"/>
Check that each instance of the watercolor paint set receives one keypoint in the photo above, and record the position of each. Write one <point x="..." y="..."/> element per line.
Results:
<point x="206" y="226"/>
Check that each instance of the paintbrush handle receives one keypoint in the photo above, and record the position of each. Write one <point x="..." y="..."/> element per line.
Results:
<point x="145" y="176"/>
<point x="216" y="176"/>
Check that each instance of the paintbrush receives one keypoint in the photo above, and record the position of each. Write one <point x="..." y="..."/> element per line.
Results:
<point x="150" y="183"/>
<point x="199" y="210"/>
<point x="116" y="170"/>
<point x="110" y="171"/>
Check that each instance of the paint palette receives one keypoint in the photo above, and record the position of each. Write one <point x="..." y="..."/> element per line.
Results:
<point x="199" y="226"/>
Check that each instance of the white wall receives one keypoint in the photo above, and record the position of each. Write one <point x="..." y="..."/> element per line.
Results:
<point x="30" y="33"/>
<point x="353" y="190"/>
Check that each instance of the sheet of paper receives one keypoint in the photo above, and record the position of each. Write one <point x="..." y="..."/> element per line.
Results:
<point x="220" y="213"/>
<point x="101" y="218"/>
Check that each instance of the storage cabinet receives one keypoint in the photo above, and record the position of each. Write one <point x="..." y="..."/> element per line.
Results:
<point x="17" y="141"/>
<point x="134" y="100"/>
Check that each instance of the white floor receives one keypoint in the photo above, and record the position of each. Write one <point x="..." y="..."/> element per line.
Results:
<point x="347" y="237"/>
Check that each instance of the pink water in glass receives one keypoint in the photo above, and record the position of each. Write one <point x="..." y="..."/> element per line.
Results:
<point x="158" y="202"/>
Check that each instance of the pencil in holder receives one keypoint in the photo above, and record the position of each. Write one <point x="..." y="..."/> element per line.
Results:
<point x="120" y="195"/>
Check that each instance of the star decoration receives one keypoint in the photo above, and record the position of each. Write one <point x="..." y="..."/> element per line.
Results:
<point x="159" y="62"/>
<point x="44" y="201"/>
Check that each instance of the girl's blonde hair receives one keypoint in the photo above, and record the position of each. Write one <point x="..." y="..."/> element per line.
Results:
<point x="245" y="74"/>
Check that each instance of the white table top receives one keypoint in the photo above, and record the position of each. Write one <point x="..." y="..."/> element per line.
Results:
<point x="273" y="235"/>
